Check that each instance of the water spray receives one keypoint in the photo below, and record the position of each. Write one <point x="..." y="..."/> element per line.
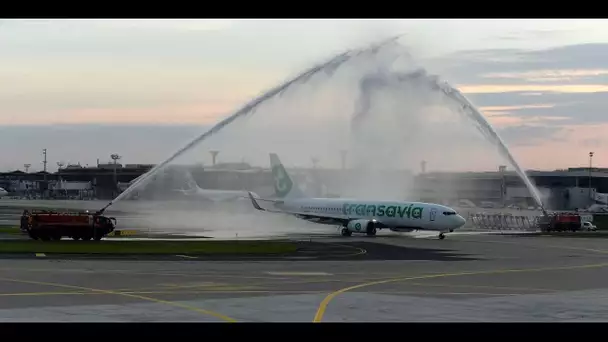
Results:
<point x="329" y="67"/>
<point x="421" y="78"/>
<point x="379" y="75"/>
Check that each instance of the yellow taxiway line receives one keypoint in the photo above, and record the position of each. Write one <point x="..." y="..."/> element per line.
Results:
<point x="323" y="306"/>
<point x="160" y="301"/>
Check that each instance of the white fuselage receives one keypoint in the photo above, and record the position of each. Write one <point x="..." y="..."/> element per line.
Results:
<point x="394" y="214"/>
<point x="3" y="192"/>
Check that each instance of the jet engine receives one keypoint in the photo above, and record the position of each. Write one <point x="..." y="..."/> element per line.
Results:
<point x="360" y="226"/>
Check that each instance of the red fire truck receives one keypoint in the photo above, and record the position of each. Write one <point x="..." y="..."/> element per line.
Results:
<point x="51" y="225"/>
<point x="560" y="222"/>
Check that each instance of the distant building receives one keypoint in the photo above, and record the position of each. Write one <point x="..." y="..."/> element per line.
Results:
<point x="568" y="189"/>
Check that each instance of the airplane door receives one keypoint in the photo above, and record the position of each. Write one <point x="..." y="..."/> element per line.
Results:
<point x="432" y="214"/>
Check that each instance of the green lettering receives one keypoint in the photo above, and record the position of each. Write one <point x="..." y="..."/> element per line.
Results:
<point x="405" y="210"/>
<point x="361" y="209"/>
<point x="417" y="213"/>
<point x="371" y="210"/>
<point x="390" y="211"/>
<point x="380" y="210"/>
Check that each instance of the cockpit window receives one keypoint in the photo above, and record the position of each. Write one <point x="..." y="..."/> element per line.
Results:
<point x="446" y="213"/>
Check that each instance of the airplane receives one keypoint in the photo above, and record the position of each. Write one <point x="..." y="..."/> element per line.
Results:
<point x="356" y="215"/>
<point x="192" y="189"/>
<point x="3" y="192"/>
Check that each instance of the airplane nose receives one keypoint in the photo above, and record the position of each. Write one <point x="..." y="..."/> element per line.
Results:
<point x="460" y="221"/>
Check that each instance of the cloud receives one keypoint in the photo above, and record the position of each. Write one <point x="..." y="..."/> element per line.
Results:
<point x="167" y="24"/>
<point x="593" y="142"/>
<point x="60" y="25"/>
<point x="582" y="62"/>
<point x="195" y="72"/>
<point x="529" y="135"/>
<point x="573" y="108"/>
<point x="549" y="75"/>
<point x="559" y="86"/>
<point x="555" y="88"/>
<point x="539" y="100"/>
<point x="533" y="34"/>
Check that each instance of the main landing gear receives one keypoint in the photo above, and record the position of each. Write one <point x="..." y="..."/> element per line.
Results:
<point x="441" y="236"/>
<point x="370" y="231"/>
<point x="345" y="232"/>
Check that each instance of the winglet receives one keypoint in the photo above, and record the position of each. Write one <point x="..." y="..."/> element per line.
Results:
<point x="254" y="202"/>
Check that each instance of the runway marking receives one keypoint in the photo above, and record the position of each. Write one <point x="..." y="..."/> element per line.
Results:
<point x="27" y="294"/>
<point x="450" y="293"/>
<point x="486" y="287"/>
<point x="88" y="293"/>
<point x="300" y="273"/>
<point x="203" y="284"/>
<point x="39" y="255"/>
<point x="160" y="301"/>
<point x="130" y="272"/>
<point x="540" y="247"/>
<point x="361" y="251"/>
<point x="254" y="284"/>
<point x="187" y="256"/>
<point x="323" y="306"/>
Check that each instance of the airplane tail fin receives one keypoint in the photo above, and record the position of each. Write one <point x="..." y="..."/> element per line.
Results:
<point x="284" y="186"/>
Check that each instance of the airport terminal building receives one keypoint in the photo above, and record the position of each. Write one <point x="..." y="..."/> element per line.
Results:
<point x="568" y="189"/>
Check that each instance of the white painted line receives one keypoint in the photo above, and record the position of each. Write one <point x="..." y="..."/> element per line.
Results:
<point x="40" y="255"/>
<point x="299" y="273"/>
<point x="186" y="256"/>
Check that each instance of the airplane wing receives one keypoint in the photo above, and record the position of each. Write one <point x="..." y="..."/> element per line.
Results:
<point x="254" y="201"/>
<point x="314" y="217"/>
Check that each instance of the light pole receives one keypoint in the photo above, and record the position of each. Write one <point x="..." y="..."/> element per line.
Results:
<point x="590" y="165"/>
<point x="115" y="157"/>
<point x="59" y="166"/>
<point x="44" y="192"/>
<point x="44" y="161"/>
<point x="27" y="167"/>
<point x="214" y="156"/>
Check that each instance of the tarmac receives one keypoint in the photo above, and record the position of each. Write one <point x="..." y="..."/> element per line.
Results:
<point x="465" y="277"/>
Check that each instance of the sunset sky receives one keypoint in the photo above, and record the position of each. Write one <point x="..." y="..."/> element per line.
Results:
<point x="84" y="89"/>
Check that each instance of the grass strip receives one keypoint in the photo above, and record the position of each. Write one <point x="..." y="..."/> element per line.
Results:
<point x="10" y="230"/>
<point x="148" y="247"/>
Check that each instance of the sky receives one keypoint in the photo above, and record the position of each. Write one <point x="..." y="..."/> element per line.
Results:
<point x="84" y="89"/>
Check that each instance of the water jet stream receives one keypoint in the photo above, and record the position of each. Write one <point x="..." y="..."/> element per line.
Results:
<point x="329" y="67"/>
<point x="420" y="78"/>
<point x="378" y="76"/>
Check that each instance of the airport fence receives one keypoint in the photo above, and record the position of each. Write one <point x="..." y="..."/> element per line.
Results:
<point x="503" y="222"/>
